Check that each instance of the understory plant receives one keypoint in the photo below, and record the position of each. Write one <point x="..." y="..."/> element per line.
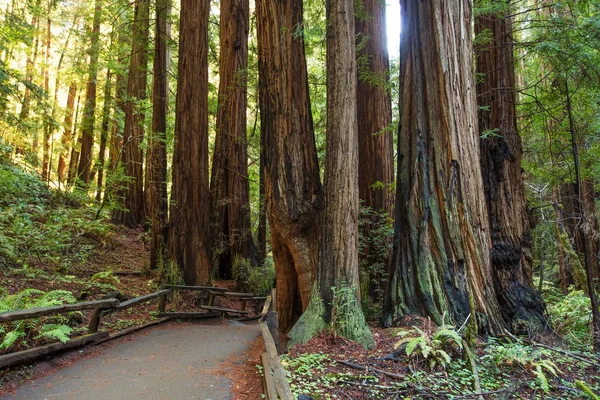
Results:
<point x="51" y="328"/>
<point x="435" y="347"/>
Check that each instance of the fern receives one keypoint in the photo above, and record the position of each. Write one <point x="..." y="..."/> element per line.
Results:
<point x="11" y="338"/>
<point x="55" y="331"/>
<point x="431" y="347"/>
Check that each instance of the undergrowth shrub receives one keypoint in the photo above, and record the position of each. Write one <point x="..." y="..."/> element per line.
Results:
<point x="257" y="280"/>
<point x="375" y="241"/>
<point x="51" y="328"/>
<point x="571" y="318"/>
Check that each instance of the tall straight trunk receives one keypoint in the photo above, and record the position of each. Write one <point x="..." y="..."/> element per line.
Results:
<point x="67" y="136"/>
<point x="441" y="257"/>
<point x="587" y="247"/>
<point x="156" y="160"/>
<point x="335" y="300"/>
<point x="89" y="110"/>
<point x="292" y="187"/>
<point x="189" y="226"/>
<point x="375" y="139"/>
<point x="100" y="166"/>
<point x="76" y="145"/>
<point x="47" y="118"/>
<point x="132" y="213"/>
<point x="568" y="261"/>
<point x="229" y="186"/>
<point x="30" y="63"/>
<point x="262" y="206"/>
<point x="522" y="307"/>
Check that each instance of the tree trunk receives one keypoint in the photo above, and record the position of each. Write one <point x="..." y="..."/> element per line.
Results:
<point x="587" y="247"/>
<point x="441" y="257"/>
<point x="229" y="187"/>
<point x="568" y="261"/>
<point x="30" y="63"/>
<point x="132" y="213"/>
<point x="522" y="307"/>
<point x="76" y="145"/>
<point x="262" y="206"/>
<point x="104" y="133"/>
<point x="67" y="136"/>
<point x="47" y="118"/>
<point x="335" y="300"/>
<point x="293" y="192"/>
<point x="89" y="109"/>
<point x="189" y="227"/>
<point x="156" y="160"/>
<point x="375" y="138"/>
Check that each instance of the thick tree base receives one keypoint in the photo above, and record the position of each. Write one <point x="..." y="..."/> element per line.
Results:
<point x="347" y="319"/>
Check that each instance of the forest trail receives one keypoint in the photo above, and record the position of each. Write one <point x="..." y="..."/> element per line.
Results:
<point x="171" y="361"/>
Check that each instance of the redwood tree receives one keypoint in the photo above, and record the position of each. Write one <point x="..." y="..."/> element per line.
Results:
<point x="132" y="214"/>
<point x="229" y="187"/>
<point x="441" y="257"/>
<point x="335" y="300"/>
<point x="522" y="306"/>
<point x="293" y="192"/>
<point x="89" y="108"/>
<point x="156" y="159"/>
<point x="375" y="136"/>
<point x="189" y="226"/>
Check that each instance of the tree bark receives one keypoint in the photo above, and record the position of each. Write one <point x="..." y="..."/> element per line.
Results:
<point x="89" y="110"/>
<point x="522" y="307"/>
<point x="189" y="227"/>
<point x="74" y="160"/>
<point x="132" y="213"/>
<point x="47" y="118"/>
<point x="104" y="133"/>
<point x="335" y="300"/>
<point x="441" y="257"/>
<point x="375" y="138"/>
<point x="292" y="188"/>
<point x="67" y="136"/>
<point x="229" y="186"/>
<point x="156" y="159"/>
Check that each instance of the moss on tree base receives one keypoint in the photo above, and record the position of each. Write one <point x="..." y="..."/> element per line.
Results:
<point x="347" y="319"/>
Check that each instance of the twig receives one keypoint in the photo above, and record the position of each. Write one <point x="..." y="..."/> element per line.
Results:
<point x="363" y="368"/>
<point x="469" y="395"/>
<point x="471" y="357"/>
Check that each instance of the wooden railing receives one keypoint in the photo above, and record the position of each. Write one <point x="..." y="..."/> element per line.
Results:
<point x="275" y="382"/>
<point x="99" y="309"/>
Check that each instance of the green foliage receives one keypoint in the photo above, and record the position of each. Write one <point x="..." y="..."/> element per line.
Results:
<point x="106" y="277"/>
<point x="374" y="245"/>
<point x="34" y="298"/>
<point x="571" y="318"/>
<point x="256" y="280"/>
<point x="169" y="273"/>
<point x="302" y="371"/>
<point x="435" y="348"/>
<point x="536" y="361"/>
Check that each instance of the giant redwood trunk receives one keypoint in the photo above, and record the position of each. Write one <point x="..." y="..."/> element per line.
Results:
<point x="104" y="126"/>
<point x="335" y="300"/>
<point x="229" y="186"/>
<point x="293" y="192"/>
<point x="89" y="109"/>
<point x="189" y="226"/>
<point x="132" y="213"/>
<point x="156" y="159"/>
<point x="522" y="307"/>
<point x="441" y="257"/>
<point x="375" y="136"/>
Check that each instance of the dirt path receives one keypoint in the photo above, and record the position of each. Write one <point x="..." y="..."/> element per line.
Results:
<point x="172" y="361"/>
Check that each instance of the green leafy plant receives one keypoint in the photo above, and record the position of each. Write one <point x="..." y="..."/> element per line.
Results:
<point x="435" y="347"/>
<point x="535" y="361"/>
<point x="106" y="277"/>
<point x="34" y="298"/>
